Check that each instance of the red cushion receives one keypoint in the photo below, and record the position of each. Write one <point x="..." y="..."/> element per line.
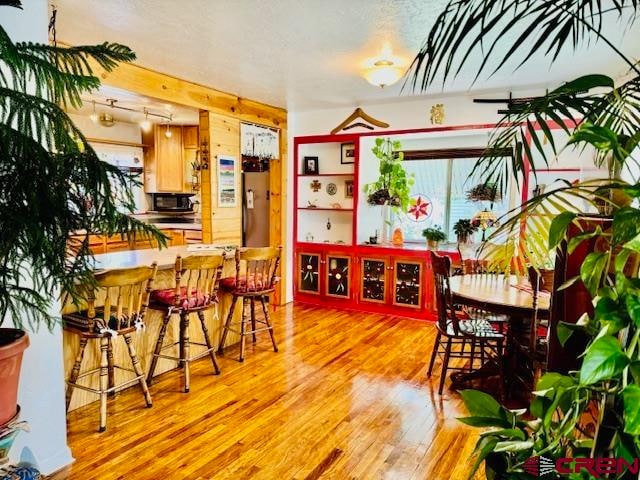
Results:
<point x="167" y="296"/>
<point x="255" y="283"/>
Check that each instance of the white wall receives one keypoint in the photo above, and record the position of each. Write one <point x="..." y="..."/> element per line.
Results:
<point x="41" y="394"/>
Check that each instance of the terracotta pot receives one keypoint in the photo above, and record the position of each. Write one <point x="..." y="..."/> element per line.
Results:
<point x="432" y="245"/>
<point x="13" y="343"/>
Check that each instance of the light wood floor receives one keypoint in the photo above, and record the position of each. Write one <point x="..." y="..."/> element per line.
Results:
<point x="345" y="398"/>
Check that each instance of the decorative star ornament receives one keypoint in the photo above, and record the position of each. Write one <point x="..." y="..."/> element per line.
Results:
<point x="420" y="208"/>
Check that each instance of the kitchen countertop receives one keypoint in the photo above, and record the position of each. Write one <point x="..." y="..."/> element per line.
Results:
<point x="165" y="258"/>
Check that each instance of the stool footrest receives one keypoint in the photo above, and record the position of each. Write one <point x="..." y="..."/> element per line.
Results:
<point x="98" y="391"/>
<point x="191" y="358"/>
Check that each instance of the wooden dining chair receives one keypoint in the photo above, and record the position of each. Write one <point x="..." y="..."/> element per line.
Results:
<point x="124" y="294"/>
<point x="256" y="278"/>
<point x="197" y="279"/>
<point x="455" y="328"/>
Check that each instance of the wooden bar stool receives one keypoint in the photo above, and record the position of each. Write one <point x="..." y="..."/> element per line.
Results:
<point x="196" y="290"/>
<point x="256" y="277"/>
<point x="126" y="296"/>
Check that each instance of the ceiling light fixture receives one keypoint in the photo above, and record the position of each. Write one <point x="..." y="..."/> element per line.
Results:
<point x="146" y="123"/>
<point x="94" y="116"/>
<point x="384" y="70"/>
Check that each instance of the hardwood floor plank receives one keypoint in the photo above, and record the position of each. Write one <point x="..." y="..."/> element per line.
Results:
<point x="346" y="397"/>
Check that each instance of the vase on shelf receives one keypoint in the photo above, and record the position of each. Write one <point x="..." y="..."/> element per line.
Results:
<point x="385" y="236"/>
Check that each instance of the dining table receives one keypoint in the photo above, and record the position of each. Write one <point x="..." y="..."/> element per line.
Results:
<point x="508" y="295"/>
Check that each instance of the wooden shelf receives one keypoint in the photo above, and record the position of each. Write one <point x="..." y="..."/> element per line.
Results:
<point x="321" y="209"/>
<point x="327" y="175"/>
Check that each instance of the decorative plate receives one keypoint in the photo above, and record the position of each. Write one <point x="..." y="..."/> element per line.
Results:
<point x="332" y="188"/>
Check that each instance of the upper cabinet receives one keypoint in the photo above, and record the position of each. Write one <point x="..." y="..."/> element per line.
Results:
<point x="167" y="158"/>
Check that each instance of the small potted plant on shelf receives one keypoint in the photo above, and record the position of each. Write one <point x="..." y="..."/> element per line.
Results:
<point x="464" y="229"/>
<point x="434" y="236"/>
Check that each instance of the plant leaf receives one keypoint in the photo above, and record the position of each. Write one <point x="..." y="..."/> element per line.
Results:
<point x="559" y="227"/>
<point x="631" y="401"/>
<point x="592" y="269"/>
<point x="604" y="360"/>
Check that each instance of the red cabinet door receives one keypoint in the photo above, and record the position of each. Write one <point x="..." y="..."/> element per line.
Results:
<point x="338" y="276"/>
<point x="308" y="275"/>
<point x="374" y="279"/>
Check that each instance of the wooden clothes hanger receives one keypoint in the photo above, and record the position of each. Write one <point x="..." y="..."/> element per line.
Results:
<point x="359" y="113"/>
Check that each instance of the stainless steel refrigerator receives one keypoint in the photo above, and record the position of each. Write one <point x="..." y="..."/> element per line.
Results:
<point x="255" y="211"/>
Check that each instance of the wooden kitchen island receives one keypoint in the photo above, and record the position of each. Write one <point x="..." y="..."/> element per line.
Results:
<point x="145" y="340"/>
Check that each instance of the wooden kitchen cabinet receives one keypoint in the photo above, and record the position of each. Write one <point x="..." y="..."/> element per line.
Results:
<point x="190" y="136"/>
<point x="164" y="160"/>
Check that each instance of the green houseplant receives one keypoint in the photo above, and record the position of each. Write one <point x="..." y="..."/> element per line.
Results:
<point x="52" y="183"/>
<point x="464" y="229"/>
<point x="393" y="185"/>
<point x="593" y="112"/>
<point x="434" y="236"/>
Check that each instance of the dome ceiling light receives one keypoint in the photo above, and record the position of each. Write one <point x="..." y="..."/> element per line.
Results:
<point x="384" y="70"/>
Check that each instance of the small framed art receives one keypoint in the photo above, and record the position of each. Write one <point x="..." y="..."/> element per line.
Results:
<point x="310" y="166"/>
<point x="348" y="153"/>
<point x="348" y="189"/>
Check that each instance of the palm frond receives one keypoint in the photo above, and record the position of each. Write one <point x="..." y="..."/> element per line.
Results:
<point x="525" y="229"/>
<point x="471" y="28"/>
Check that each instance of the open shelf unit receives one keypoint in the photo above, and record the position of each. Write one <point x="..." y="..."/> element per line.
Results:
<point x="325" y="201"/>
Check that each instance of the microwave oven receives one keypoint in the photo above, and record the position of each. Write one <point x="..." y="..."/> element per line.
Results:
<point x="172" y="202"/>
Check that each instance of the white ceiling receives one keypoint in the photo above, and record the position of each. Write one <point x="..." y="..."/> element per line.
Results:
<point x="299" y="54"/>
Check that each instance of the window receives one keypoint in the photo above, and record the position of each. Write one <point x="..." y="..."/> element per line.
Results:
<point x="441" y="186"/>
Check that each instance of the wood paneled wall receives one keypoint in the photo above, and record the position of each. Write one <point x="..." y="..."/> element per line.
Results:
<point x="223" y="112"/>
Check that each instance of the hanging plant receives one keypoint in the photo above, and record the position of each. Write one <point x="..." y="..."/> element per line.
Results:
<point x="484" y="192"/>
<point x="393" y="184"/>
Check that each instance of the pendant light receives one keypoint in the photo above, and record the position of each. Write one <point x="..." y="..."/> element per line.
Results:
<point x="94" y="116"/>
<point x="146" y="123"/>
<point x="384" y="70"/>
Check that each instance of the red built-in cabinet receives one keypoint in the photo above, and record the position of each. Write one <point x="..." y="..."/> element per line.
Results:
<point x="331" y="269"/>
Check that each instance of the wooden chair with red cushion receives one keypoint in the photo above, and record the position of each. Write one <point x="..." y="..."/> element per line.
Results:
<point x="197" y="279"/>
<point x="454" y="329"/>
<point x="256" y="278"/>
<point x="116" y="306"/>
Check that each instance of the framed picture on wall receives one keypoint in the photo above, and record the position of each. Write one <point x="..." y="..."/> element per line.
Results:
<point x="310" y="166"/>
<point x="227" y="195"/>
<point x="348" y="189"/>
<point x="348" y="153"/>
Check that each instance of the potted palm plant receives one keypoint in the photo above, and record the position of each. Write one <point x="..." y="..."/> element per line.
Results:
<point x="52" y="184"/>
<point x="434" y="236"/>
<point x="594" y="112"/>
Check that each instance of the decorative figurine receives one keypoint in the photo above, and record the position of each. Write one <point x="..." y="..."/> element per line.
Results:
<point x="398" y="237"/>
<point x="336" y="205"/>
<point x="315" y="186"/>
<point x="311" y="204"/>
<point x="328" y="224"/>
